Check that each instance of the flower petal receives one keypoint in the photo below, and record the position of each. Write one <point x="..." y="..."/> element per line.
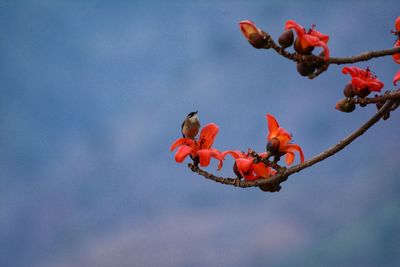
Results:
<point x="273" y="126"/>
<point x="243" y="165"/>
<point x="291" y="24"/>
<point x="352" y="70"/>
<point x="292" y="148"/>
<point x="376" y="85"/>
<point x="315" y="41"/>
<point x="284" y="137"/>
<point x="234" y="153"/>
<point x="323" y="37"/>
<point x="251" y="177"/>
<point x="248" y="27"/>
<point x="205" y="156"/>
<point x="397" y="24"/>
<point x="207" y="135"/>
<point x="182" y="141"/>
<point x="182" y="153"/>
<point x="261" y="170"/>
<point x="289" y="158"/>
<point x="396" y="78"/>
<point x="359" y="83"/>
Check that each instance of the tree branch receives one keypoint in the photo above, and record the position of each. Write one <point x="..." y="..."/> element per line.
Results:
<point x="378" y="99"/>
<point x="281" y="177"/>
<point x="332" y="60"/>
<point x="364" y="56"/>
<point x="319" y="60"/>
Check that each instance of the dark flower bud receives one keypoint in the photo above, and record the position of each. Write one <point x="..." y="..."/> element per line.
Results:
<point x="257" y="40"/>
<point x="273" y="146"/>
<point x="320" y="62"/>
<point x="348" y="90"/>
<point x="300" y="49"/>
<point x="363" y="92"/>
<point x="345" y="105"/>
<point x="305" y="68"/>
<point x="270" y="187"/>
<point x="286" y="39"/>
<point x="386" y="116"/>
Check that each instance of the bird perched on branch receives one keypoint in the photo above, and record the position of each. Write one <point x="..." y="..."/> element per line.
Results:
<point x="191" y="125"/>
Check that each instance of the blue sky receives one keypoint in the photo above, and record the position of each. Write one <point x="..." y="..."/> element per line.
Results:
<point x="93" y="95"/>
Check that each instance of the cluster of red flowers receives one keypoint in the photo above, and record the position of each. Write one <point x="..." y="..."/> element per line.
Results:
<point x="245" y="166"/>
<point x="363" y="81"/>
<point x="250" y="165"/>
<point x="305" y="41"/>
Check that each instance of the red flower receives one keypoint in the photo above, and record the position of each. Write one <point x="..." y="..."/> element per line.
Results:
<point x="199" y="148"/>
<point x="396" y="78"/>
<point x="363" y="79"/>
<point x="310" y="38"/>
<point x="397" y="24"/>
<point x="245" y="166"/>
<point x="279" y="141"/>
<point x="396" y="57"/>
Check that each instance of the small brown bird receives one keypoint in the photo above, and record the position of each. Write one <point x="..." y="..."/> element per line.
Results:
<point x="191" y="125"/>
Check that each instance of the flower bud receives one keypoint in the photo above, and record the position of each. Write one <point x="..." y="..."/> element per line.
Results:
<point x="273" y="146"/>
<point x="345" y="105"/>
<point x="270" y="187"/>
<point x="286" y="39"/>
<point x="256" y="37"/>
<point x="386" y="116"/>
<point x="299" y="49"/>
<point x="348" y="90"/>
<point x="305" y="68"/>
<point x="321" y="62"/>
<point x="258" y="41"/>
<point x="363" y="92"/>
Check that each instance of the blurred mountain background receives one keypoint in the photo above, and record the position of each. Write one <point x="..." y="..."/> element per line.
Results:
<point x="93" y="93"/>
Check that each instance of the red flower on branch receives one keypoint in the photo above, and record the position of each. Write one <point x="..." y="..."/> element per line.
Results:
<point x="279" y="142"/>
<point x="245" y="167"/>
<point x="307" y="40"/>
<point x="363" y="81"/>
<point x="397" y="24"/>
<point x="396" y="78"/>
<point x="200" y="148"/>
<point x="253" y="34"/>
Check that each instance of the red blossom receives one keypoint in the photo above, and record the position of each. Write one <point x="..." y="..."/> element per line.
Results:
<point x="397" y="24"/>
<point x="199" y="148"/>
<point x="363" y="79"/>
<point x="246" y="167"/>
<point x="310" y="38"/>
<point x="279" y="141"/>
<point x="396" y="78"/>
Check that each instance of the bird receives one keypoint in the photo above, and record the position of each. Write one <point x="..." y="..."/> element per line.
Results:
<point x="191" y="125"/>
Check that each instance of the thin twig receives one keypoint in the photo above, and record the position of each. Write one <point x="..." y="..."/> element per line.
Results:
<point x="280" y="177"/>
<point x="364" y="56"/>
<point x="377" y="99"/>
<point x="332" y="60"/>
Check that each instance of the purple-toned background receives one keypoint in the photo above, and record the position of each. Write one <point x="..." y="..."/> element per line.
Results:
<point x="92" y="94"/>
